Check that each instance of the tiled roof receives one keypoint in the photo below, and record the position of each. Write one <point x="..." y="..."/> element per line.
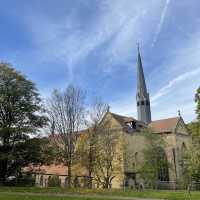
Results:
<point x="56" y="169"/>
<point x="164" y="125"/>
<point x="122" y="119"/>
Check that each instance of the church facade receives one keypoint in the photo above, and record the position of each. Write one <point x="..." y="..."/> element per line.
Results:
<point x="173" y="131"/>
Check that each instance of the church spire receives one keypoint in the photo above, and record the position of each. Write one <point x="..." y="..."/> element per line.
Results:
<point x="141" y="85"/>
<point x="142" y="97"/>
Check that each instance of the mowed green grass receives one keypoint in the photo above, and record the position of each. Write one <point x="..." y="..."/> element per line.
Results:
<point x="169" y="195"/>
<point x="26" y="197"/>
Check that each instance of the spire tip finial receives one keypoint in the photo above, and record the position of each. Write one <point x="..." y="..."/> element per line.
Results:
<point x="179" y="113"/>
<point x="138" y="47"/>
<point x="108" y="108"/>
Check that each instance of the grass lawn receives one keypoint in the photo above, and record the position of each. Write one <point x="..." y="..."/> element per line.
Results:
<point x="19" y="197"/>
<point x="170" y="195"/>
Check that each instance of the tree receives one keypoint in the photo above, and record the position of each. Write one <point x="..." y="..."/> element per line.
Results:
<point x="54" y="181"/>
<point x="191" y="165"/>
<point x="192" y="159"/>
<point x="39" y="150"/>
<point x="87" y="148"/>
<point x="197" y="100"/>
<point x="21" y="115"/>
<point x="194" y="129"/>
<point x="107" y="161"/>
<point x="155" y="166"/>
<point x="66" y="114"/>
<point x="99" y="148"/>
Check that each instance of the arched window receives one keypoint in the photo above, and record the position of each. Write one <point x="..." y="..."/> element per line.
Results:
<point x="183" y="150"/>
<point x="183" y="158"/>
<point x="183" y="154"/>
<point x="163" y="171"/>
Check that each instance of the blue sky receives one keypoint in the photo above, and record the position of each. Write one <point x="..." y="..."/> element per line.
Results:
<point x="92" y="44"/>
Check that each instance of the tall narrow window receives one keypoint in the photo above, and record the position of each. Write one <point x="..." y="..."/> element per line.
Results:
<point x="183" y="150"/>
<point x="183" y="157"/>
<point x="163" y="171"/>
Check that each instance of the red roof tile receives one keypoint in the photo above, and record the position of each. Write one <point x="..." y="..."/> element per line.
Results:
<point x="56" y="169"/>
<point x="164" y="125"/>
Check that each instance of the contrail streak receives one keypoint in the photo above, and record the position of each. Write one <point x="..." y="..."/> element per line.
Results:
<point x="162" y="18"/>
<point x="164" y="90"/>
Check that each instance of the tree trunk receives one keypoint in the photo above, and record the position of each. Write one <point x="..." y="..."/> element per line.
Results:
<point x="69" y="175"/>
<point x="3" y="170"/>
<point x="90" y="167"/>
<point x="107" y="183"/>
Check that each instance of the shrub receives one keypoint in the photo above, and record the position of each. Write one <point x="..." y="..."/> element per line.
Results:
<point x="54" y="181"/>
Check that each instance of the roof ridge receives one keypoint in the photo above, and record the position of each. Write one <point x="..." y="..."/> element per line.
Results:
<point x="121" y="115"/>
<point x="163" y="125"/>
<point x="166" y="119"/>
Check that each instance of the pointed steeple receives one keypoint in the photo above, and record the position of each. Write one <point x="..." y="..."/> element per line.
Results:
<point x="141" y="85"/>
<point x="142" y="97"/>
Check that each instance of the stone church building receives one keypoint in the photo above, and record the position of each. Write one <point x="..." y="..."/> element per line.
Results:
<point x="173" y="131"/>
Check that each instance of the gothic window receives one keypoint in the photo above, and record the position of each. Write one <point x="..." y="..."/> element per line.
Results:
<point x="183" y="152"/>
<point x="142" y="102"/>
<point x="138" y="103"/>
<point x="183" y="157"/>
<point x="163" y="171"/>
<point x="183" y="149"/>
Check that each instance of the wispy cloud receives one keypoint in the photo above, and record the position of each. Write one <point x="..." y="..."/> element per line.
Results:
<point x="178" y="92"/>
<point x="117" y="23"/>
<point x="167" y="88"/>
<point x="134" y="29"/>
<point x="98" y="47"/>
<point x="161" y="22"/>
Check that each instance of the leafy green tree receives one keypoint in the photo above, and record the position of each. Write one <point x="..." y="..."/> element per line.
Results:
<point x="37" y="151"/>
<point x="192" y="159"/>
<point x="21" y="115"/>
<point x="197" y="100"/>
<point x="108" y="159"/>
<point x="194" y="129"/>
<point x="88" y="144"/>
<point x="54" y="181"/>
<point x="191" y="165"/>
<point x="155" y="166"/>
